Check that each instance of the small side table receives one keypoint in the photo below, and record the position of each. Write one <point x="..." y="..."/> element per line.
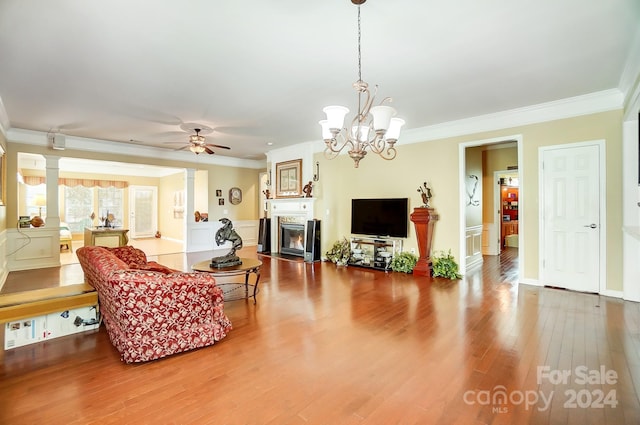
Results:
<point x="234" y="290"/>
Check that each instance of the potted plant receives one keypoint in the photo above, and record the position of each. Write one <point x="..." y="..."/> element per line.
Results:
<point x="404" y="262"/>
<point x="340" y="252"/>
<point x="444" y="265"/>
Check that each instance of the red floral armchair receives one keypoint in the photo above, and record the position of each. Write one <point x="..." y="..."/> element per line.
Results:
<point x="151" y="313"/>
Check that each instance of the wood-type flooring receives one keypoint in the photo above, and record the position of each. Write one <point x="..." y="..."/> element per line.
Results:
<point x="344" y="345"/>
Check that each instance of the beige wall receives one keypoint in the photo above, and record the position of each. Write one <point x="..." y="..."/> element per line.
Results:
<point x="473" y="163"/>
<point x="170" y="224"/>
<point x="437" y="161"/>
<point x="224" y="178"/>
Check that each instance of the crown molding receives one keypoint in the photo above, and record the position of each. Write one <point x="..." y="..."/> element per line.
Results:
<point x="38" y="138"/>
<point x="592" y="103"/>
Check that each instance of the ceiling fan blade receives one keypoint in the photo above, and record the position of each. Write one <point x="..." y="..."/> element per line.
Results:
<point x="218" y="146"/>
<point x="209" y="151"/>
<point x="183" y="148"/>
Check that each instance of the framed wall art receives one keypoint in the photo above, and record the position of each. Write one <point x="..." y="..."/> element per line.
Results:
<point x="289" y="179"/>
<point x="235" y="195"/>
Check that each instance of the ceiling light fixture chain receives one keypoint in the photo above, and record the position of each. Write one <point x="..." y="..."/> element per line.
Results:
<point x="373" y="127"/>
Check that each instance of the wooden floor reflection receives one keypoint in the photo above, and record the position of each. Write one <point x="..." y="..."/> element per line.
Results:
<point x="344" y="345"/>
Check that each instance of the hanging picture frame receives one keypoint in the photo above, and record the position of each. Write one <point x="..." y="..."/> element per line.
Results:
<point x="289" y="179"/>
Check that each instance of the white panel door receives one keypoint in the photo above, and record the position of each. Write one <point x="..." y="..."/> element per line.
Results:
<point x="571" y="218"/>
<point x="143" y="215"/>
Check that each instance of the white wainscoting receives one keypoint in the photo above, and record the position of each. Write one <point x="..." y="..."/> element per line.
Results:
<point x="248" y="231"/>
<point x="490" y="239"/>
<point x="473" y="236"/>
<point x="32" y="248"/>
<point x="631" y="266"/>
<point x="202" y="235"/>
<point x="4" y="268"/>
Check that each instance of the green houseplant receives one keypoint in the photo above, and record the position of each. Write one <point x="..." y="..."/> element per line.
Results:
<point x="340" y="252"/>
<point x="404" y="262"/>
<point x="444" y="265"/>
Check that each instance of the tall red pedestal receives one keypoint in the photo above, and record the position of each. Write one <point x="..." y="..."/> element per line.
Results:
<point x="424" y="219"/>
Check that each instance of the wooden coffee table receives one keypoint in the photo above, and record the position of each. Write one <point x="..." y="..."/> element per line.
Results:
<point x="234" y="290"/>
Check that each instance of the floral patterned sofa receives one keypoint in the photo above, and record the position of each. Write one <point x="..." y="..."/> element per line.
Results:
<point x="151" y="311"/>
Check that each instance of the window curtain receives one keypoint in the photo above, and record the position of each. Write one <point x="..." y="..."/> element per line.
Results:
<point x="93" y="183"/>
<point x="37" y="180"/>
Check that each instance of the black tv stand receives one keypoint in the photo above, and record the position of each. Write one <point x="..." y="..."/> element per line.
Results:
<point x="374" y="252"/>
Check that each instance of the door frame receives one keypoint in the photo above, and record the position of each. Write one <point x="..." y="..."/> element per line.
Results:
<point x="602" y="205"/>
<point x="462" y="198"/>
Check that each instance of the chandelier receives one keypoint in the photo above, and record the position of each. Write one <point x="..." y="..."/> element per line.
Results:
<point x="373" y="128"/>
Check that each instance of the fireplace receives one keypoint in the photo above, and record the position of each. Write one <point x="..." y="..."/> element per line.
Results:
<point x="292" y="239"/>
<point x="289" y="211"/>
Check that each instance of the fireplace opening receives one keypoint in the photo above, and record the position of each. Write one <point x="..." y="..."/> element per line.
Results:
<point x="292" y="239"/>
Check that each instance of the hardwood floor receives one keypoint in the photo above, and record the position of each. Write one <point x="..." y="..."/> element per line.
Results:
<point x="343" y="345"/>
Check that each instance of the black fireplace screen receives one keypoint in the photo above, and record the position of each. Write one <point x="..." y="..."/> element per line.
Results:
<point x="292" y="239"/>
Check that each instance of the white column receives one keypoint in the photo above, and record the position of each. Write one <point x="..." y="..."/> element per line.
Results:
<point x="53" y="206"/>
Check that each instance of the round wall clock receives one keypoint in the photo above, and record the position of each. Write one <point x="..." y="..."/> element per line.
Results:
<point x="235" y="195"/>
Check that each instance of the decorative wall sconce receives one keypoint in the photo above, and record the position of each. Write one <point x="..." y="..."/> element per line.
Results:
<point x="268" y="182"/>
<point x="316" y="175"/>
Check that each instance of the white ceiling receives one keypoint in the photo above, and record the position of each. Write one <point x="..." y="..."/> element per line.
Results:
<point x="259" y="72"/>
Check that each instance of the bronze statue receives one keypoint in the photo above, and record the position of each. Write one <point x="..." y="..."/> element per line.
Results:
<point x="224" y="234"/>
<point x="307" y="190"/>
<point x="425" y="192"/>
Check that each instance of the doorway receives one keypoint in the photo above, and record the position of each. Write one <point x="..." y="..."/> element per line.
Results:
<point x="504" y="153"/>
<point x="572" y="219"/>
<point x="143" y="211"/>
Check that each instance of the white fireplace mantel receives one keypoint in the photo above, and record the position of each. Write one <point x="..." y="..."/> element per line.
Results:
<point x="300" y="208"/>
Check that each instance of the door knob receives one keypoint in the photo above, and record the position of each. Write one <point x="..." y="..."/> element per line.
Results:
<point x="592" y="225"/>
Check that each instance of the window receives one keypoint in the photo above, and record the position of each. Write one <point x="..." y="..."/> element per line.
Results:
<point x="78" y="207"/>
<point x="110" y="202"/>
<point x="33" y="197"/>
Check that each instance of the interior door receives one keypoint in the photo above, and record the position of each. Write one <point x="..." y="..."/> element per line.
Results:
<point x="571" y="218"/>
<point x="143" y="211"/>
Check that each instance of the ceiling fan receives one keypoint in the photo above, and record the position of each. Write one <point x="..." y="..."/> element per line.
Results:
<point x="197" y="144"/>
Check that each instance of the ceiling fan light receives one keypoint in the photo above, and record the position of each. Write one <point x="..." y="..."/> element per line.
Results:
<point x="196" y="149"/>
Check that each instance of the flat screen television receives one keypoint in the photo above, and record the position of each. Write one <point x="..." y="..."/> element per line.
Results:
<point x="380" y="217"/>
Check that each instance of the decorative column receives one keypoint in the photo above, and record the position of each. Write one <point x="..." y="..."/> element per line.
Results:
<point x="424" y="219"/>
<point x="53" y="206"/>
